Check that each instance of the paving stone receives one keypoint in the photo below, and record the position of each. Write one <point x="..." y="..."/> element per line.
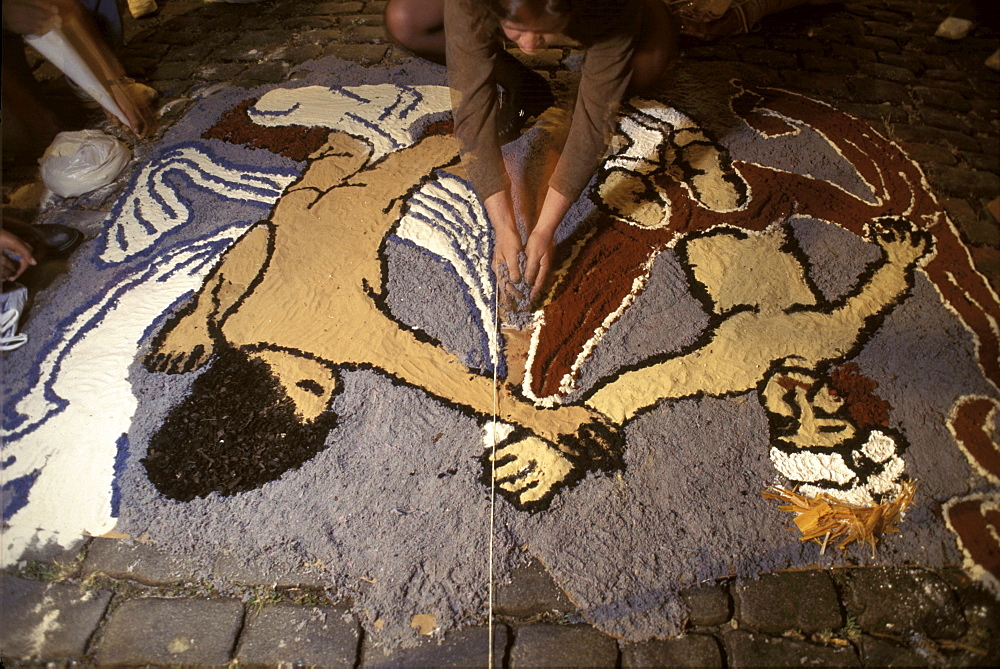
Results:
<point x="987" y="261"/>
<point x="47" y="621"/>
<point x="901" y="601"/>
<point x="889" y="72"/>
<point x="707" y="605"/>
<point x="930" y="153"/>
<point x="139" y="67"/>
<point x="562" y="646"/>
<point x="893" y="32"/>
<point x="171" y="631"/>
<point x="262" y="73"/>
<point x="878" y="43"/>
<point x="983" y="162"/>
<point x="975" y="229"/>
<point x="853" y="53"/>
<point x="911" y="133"/>
<point x="220" y="71"/>
<point x="338" y="7"/>
<point x="770" y="58"/>
<point x="177" y="36"/>
<point x="235" y="569"/>
<point x="140" y="561"/>
<point x="321" y="37"/>
<point x="803" y="601"/>
<point x="883" y="653"/>
<point x="690" y="650"/>
<point x="878" y="91"/>
<point x="982" y="612"/>
<point x="300" y="635"/>
<point x="366" y="54"/>
<point x="192" y="52"/>
<point x="369" y="34"/>
<point x="308" y="23"/>
<point x="943" y="118"/>
<point x="467" y="647"/>
<point x="240" y="53"/>
<point x="796" y="45"/>
<point x="366" y="19"/>
<point x="175" y="70"/>
<point x="957" y="181"/>
<point x="940" y="97"/>
<point x="745" y="649"/>
<point x="296" y="53"/>
<point x="831" y="85"/>
<point x="816" y="63"/>
<point x="903" y="61"/>
<point x="531" y="592"/>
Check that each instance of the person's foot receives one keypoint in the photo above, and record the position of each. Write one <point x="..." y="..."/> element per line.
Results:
<point x="61" y="240"/>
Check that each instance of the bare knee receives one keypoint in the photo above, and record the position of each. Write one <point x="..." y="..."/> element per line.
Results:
<point x="417" y="25"/>
<point x="656" y="48"/>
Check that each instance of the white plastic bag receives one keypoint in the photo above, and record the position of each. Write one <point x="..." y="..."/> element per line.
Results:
<point x="81" y="161"/>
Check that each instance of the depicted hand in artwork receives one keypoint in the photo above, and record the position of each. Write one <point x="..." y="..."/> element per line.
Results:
<point x="903" y="243"/>
<point x="529" y="470"/>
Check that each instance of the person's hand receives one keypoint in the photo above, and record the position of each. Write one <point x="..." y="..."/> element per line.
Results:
<point x="15" y="256"/>
<point x="540" y="250"/>
<point x="507" y="246"/>
<point x="30" y="17"/>
<point x="133" y="99"/>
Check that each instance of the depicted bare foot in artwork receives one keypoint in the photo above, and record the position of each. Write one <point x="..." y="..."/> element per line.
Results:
<point x="184" y="347"/>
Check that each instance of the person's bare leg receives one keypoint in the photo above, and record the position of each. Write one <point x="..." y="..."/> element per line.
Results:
<point x="417" y="25"/>
<point x="657" y="49"/>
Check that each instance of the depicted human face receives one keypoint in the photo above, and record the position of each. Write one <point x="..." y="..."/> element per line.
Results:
<point x="532" y="33"/>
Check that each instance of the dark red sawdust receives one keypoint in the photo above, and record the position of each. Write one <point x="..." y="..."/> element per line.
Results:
<point x="866" y="409"/>
<point x="297" y="142"/>
<point x="976" y="525"/>
<point x="235" y="431"/>
<point x="969" y="426"/>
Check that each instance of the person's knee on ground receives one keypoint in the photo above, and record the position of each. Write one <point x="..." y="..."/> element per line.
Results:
<point x="656" y="47"/>
<point x="417" y="25"/>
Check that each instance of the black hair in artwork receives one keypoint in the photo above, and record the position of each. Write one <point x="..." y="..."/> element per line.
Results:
<point x="234" y="432"/>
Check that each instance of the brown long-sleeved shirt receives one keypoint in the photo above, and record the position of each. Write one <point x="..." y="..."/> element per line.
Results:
<point x="605" y="28"/>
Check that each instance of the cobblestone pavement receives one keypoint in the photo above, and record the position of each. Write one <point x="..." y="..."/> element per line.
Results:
<point x="135" y="604"/>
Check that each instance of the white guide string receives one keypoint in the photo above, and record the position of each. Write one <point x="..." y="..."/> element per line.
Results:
<point x="493" y="464"/>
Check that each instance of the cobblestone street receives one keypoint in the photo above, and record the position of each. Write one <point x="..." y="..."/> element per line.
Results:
<point x="132" y="603"/>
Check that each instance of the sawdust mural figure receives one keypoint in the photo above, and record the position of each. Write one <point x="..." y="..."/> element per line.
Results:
<point x="669" y="184"/>
<point x="298" y="298"/>
<point x="757" y="330"/>
<point x="830" y="435"/>
<point x="669" y="178"/>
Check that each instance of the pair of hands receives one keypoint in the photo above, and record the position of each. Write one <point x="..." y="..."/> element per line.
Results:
<point x="539" y="250"/>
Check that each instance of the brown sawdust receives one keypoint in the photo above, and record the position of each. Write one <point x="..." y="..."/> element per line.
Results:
<point x="824" y="520"/>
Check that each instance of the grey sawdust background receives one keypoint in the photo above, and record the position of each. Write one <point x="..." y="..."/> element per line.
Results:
<point x="386" y="522"/>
